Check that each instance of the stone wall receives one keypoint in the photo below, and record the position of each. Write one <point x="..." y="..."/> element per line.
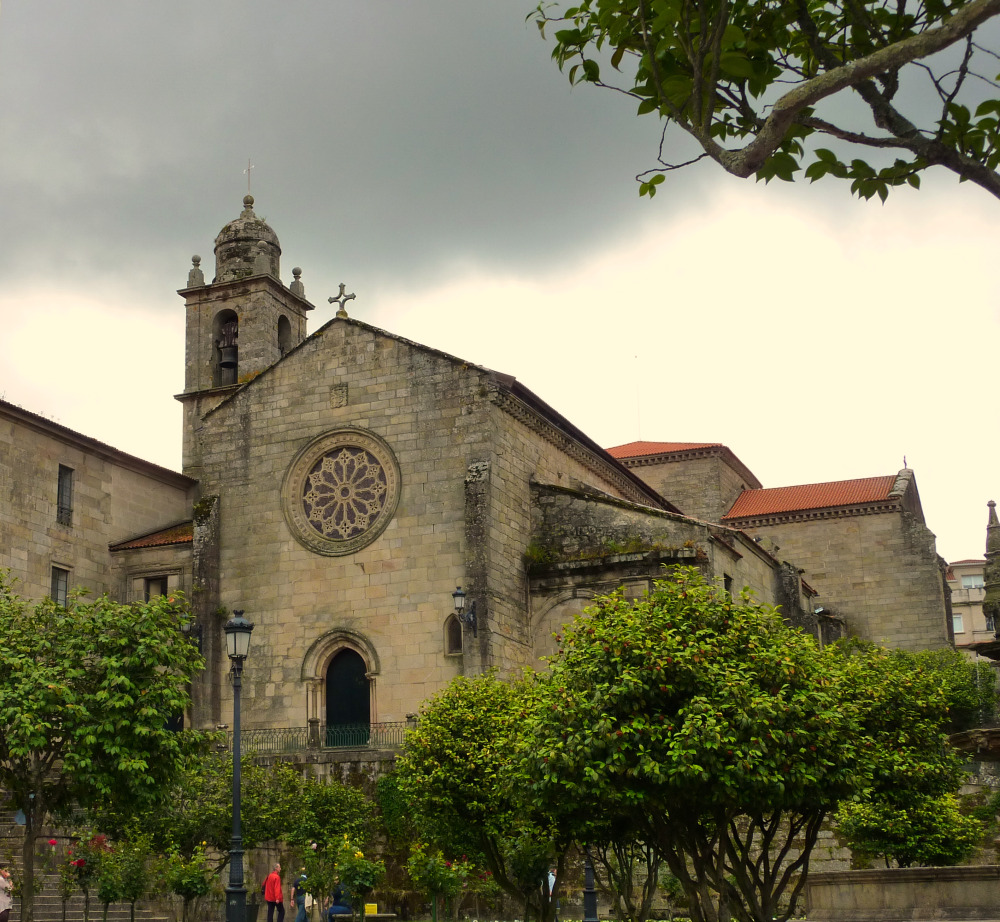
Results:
<point x="115" y="497"/>
<point x="963" y="894"/>
<point x="389" y="599"/>
<point x="585" y="544"/>
<point x="879" y="572"/>
<point x="702" y="483"/>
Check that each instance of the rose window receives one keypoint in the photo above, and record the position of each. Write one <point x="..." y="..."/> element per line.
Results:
<point x="344" y="493"/>
<point x="340" y="491"/>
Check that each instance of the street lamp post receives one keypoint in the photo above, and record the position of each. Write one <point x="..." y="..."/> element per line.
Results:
<point x="238" y="631"/>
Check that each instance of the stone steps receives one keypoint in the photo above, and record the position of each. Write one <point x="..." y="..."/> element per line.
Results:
<point x="48" y="905"/>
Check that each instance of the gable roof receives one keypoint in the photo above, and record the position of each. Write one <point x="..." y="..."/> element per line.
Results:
<point x="642" y="454"/>
<point x="93" y="446"/>
<point x="518" y="396"/>
<point x="181" y="533"/>
<point x="812" y="496"/>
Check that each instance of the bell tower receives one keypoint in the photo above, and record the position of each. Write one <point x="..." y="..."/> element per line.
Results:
<point x="240" y="323"/>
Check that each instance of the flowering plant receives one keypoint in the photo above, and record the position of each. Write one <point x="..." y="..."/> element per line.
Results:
<point x="358" y="875"/>
<point x="437" y="876"/>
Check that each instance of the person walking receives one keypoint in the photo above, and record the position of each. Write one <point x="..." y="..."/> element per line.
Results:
<point x="299" y="896"/>
<point x="273" y="895"/>
<point x="5" y="900"/>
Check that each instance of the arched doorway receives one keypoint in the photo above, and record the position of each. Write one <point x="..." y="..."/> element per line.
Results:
<point x="348" y="700"/>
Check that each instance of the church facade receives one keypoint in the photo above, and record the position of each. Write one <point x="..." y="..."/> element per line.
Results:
<point x="338" y="487"/>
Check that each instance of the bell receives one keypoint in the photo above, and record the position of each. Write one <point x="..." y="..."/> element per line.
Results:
<point x="228" y="356"/>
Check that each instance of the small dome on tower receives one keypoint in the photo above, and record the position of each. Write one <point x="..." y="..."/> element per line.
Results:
<point x="246" y="246"/>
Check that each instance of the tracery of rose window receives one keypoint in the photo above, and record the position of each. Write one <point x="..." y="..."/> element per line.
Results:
<point x="344" y="492"/>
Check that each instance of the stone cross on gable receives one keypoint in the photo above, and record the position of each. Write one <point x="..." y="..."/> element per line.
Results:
<point x="341" y="300"/>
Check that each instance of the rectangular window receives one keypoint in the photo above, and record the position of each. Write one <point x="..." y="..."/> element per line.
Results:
<point x="956" y="621"/>
<point x="64" y="497"/>
<point x="975" y="581"/>
<point x="155" y="586"/>
<point x="60" y="586"/>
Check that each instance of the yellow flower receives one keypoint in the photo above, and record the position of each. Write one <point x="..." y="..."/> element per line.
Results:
<point x="358" y="855"/>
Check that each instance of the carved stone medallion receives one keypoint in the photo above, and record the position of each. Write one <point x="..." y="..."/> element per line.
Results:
<point x="341" y="491"/>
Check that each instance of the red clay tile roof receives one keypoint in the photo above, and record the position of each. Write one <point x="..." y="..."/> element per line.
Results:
<point x="776" y="500"/>
<point x="956" y="563"/>
<point x="640" y="449"/>
<point x="176" y="534"/>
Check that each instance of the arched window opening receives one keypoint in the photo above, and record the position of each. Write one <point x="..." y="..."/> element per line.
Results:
<point x="452" y="636"/>
<point x="348" y="700"/>
<point x="284" y="334"/>
<point x="226" y="330"/>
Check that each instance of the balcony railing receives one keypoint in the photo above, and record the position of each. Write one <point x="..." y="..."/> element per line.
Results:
<point x="277" y="740"/>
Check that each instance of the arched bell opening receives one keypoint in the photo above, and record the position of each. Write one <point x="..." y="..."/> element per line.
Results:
<point x="225" y="336"/>
<point x="284" y="334"/>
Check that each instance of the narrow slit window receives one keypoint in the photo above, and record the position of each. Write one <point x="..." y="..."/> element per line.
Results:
<point x="64" y="496"/>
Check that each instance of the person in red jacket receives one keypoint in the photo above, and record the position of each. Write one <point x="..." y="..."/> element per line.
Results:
<point x="273" y="895"/>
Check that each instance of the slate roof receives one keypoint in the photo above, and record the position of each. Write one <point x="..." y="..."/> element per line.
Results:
<point x="182" y="533"/>
<point x="641" y="449"/>
<point x="778" y="500"/>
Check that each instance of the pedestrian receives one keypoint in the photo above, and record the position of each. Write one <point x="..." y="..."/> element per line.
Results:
<point x="273" y="895"/>
<point x="552" y="892"/>
<point x="5" y="901"/>
<point x="299" y="896"/>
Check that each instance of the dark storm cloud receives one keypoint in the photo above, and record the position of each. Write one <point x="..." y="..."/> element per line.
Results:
<point x="389" y="138"/>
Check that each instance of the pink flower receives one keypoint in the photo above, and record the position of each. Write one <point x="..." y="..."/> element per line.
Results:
<point x="313" y="846"/>
<point x="53" y="842"/>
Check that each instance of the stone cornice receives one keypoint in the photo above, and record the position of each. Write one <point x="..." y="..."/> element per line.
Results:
<point x="697" y="454"/>
<point x="809" y="515"/>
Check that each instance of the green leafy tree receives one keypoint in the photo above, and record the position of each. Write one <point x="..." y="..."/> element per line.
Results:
<point x="437" y="877"/>
<point x="66" y="881"/>
<point x="757" y="85"/>
<point x="325" y="811"/>
<point x="191" y="879"/>
<point x="322" y="875"/>
<point x="722" y="736"/>
<point x="109" y="880"/>
<point x="969" y="688"/>
<point x="86" y="695"/>
<point x="359" y="875"/>
<point x="88" y="855"/>
<point x="135" y="858"/>
<point x="457" y="775"/>
<point x="278" y="803"/>
<point x="927" y="831"/>
<point x="907" y="811"/>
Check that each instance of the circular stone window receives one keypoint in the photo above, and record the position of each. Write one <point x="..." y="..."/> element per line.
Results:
<point x="341" y="491"/>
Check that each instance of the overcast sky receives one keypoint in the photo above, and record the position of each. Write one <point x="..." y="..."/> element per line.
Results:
<point x="431" y="156"/>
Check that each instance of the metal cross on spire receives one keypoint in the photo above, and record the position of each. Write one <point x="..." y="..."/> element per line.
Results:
<point x="246" y="173"/>
<point x="341" y="300"/>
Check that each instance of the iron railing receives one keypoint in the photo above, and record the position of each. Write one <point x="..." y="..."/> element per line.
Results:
<point x="278" y="740"/>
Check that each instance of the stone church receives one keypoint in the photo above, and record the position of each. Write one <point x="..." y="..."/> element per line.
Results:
<point x="340" y="486"/>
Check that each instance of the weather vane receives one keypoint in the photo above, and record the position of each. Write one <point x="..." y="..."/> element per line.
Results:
<point x="341" y="300"/>
<point x="246" y="173"/>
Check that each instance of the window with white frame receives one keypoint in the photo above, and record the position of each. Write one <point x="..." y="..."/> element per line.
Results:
<point x="957" y="624"/>
<point x="60" y="586"/>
